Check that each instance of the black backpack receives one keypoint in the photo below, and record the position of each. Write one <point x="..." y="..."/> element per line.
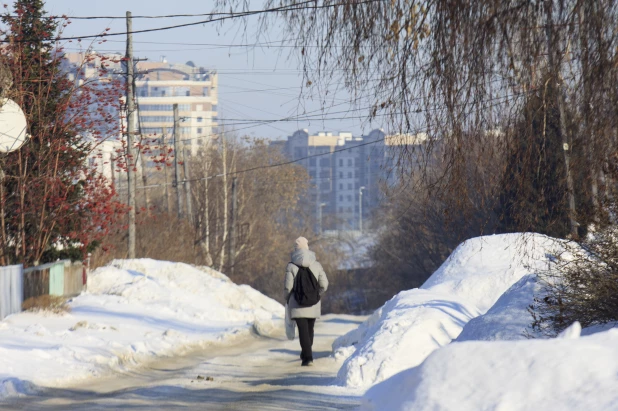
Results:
<point x="306" y="288"/>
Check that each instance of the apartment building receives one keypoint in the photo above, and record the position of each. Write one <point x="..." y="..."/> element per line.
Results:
<point x="160" y="85"/>
<point x="345" y="172"/>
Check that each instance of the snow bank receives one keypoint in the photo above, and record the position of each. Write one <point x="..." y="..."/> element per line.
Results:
<point x="407" y="329"/>
<point x="509" y="318"/>
<point x="556" y="374"/>
<point x="481" y="269"/>
<point x="402" y="333"/>
<point x="134" y="310"/>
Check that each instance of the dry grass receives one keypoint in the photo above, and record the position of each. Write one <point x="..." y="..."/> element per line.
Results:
<point x="47" y="303"/>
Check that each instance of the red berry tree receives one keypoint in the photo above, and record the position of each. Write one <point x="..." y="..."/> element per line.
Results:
<point x="52" y="196"/>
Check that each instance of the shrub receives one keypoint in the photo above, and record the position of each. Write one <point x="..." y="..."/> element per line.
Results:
<point x="47" y="303"/>
<point x="581" y="287"/>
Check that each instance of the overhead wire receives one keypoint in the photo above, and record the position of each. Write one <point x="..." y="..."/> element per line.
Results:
<point x="305" y="5"/>
<point x="288" y="162"/>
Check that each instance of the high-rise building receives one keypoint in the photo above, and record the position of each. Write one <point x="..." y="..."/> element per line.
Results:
<point x="340" y="167"/>
<point x="160" y="85"/>
<point x="346" y="172"/>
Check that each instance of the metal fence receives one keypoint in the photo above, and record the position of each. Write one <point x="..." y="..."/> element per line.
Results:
<point x="11" y="290"/>
<point x="60" y="278"/>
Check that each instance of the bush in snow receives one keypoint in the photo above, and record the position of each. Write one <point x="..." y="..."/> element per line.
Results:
<point x="582" y="288"/>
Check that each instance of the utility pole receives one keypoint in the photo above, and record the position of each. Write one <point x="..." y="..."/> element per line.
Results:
<point x="360" y="209"/>
<point x="176" y="153"/>
<point x="131" y="158"/>
<point x="187" y="184"/>
<point x="233" y="232"/>
<point x="168" y="205"/>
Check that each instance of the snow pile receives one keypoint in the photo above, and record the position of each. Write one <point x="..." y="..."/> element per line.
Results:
<point x="407" y="329"/>
<point x="509" y="318"/>
<point x="414" y="323"/>
<point x="562" y="374"/>
<point x="134" y="310"/>
<point x="481" y="269"/>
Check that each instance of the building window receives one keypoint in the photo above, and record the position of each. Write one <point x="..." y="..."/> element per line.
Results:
<point x="340" y="162"/>
<point x="199" y="119"/>
<point x="340" y="186"/>
<point x="151" y="130"/>
<point x="340" y="198"/>
<point x="157" y="119"/>
<point x="325" y="162"/>
<point x="199" y="130"/>
<point x="349" y="198"/>
<point x="164" y="107"/>
<point x="205" y="91"/>
<point x="214" y="107"/>
<point x="312" y="162"/>
<point x="341" y="174"/>
<point x="349" y="186"/>
<point x="349" y="174"/>
<point x="349" y="161"/>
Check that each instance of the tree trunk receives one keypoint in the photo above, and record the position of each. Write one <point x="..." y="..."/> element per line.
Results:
<point x="225" y="205"/>
<point x="555" y="66"/>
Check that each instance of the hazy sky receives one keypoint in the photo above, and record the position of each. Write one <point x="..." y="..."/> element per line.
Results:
<point x="254" y="83"/>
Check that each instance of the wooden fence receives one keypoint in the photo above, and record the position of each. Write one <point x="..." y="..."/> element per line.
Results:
<point x="60" y="278"/>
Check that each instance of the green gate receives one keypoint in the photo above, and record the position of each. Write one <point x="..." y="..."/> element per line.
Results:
<point x="56" y="278"/>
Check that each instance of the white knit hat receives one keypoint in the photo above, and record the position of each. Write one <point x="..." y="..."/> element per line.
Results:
<point x="301" y="243"/>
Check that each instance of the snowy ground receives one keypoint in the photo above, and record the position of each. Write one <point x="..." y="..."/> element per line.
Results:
<point x="134" y="311"/>
<point x="254" y="374"/>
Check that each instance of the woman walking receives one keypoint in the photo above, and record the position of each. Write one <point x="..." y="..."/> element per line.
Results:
<point x="305" y="282"/>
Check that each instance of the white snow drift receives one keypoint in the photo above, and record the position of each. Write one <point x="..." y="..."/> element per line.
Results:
<point x="414" y="323"/>
<point x="133" y="311"/>
<point x="509" y="318"/>
<point x="562" y="374"/>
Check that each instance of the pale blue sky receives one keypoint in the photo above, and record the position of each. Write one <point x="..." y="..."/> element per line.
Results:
<point x="254" y="83"/>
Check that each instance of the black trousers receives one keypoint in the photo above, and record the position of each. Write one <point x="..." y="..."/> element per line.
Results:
<point x="305" y="335"/>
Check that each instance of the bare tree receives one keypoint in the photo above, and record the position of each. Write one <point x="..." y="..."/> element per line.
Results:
<point x="458" y="69"/>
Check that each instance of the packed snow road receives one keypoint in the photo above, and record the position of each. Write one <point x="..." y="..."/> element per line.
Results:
<point x="255" y="374"/>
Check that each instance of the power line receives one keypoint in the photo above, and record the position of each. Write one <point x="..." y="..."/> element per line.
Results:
<point x="306" y="5"/>
<point x="263" y="167"/>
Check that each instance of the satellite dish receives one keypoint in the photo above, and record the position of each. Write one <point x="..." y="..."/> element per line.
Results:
<point x="12" y="126"/>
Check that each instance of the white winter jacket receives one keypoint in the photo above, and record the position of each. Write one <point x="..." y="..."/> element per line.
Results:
<point x="304" y="258"/>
